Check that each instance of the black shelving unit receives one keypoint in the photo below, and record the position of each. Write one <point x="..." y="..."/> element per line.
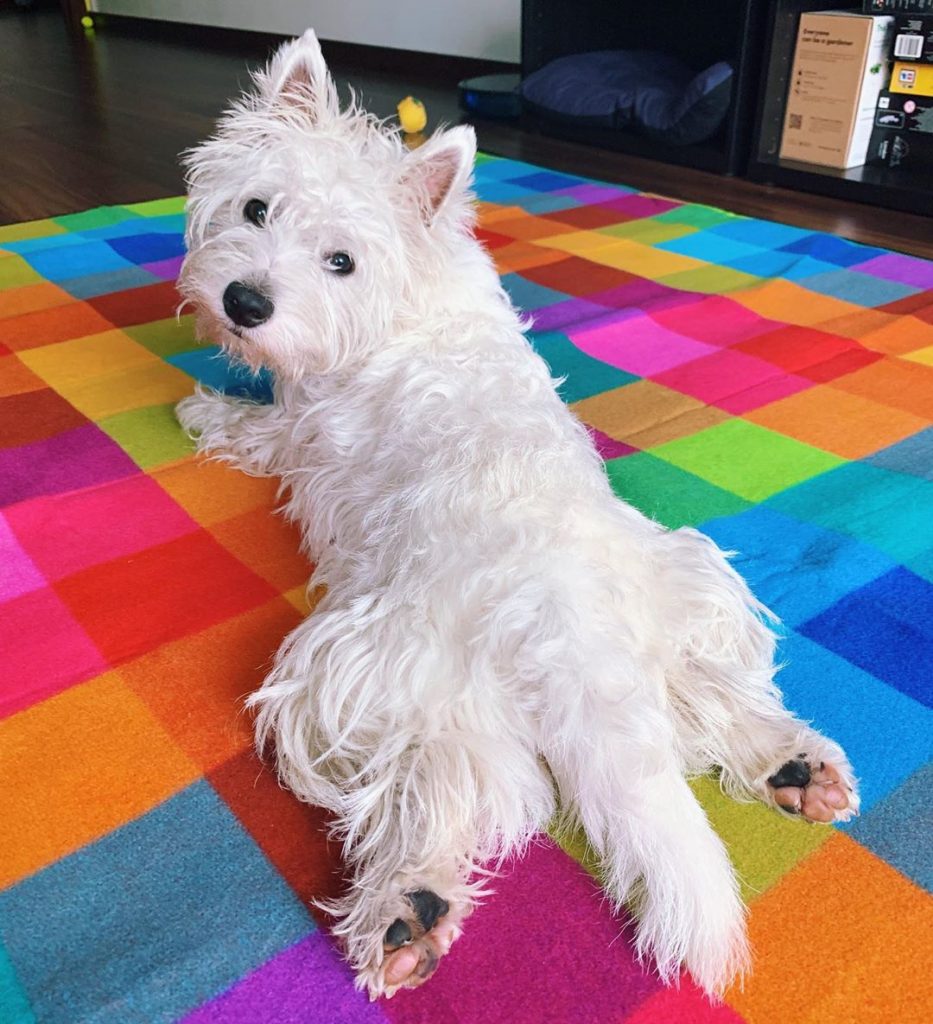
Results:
<point x="893" y="188"/>
<point x="700" y="34"/>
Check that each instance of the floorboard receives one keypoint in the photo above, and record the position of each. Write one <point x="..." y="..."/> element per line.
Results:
<point x="100" y="118"/>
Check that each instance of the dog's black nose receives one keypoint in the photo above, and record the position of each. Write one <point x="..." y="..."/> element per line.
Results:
<point x="245" y="306"/>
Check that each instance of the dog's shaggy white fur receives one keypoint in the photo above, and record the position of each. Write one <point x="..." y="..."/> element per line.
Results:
<point x="498" y="628"/>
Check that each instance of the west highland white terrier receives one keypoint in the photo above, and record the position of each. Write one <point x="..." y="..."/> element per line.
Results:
<point x="500" y="634"/>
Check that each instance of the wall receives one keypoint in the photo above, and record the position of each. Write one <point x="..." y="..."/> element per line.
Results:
<point x="465" y="28"/>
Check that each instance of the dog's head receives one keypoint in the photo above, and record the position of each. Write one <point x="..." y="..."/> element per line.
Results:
<point x="311" y="229"/>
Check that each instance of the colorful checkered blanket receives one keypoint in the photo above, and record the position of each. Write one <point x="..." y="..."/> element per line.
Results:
<point x="770" y="385"/>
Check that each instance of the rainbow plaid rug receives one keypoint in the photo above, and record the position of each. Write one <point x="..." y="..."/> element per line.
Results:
<point x="770" y="385"/>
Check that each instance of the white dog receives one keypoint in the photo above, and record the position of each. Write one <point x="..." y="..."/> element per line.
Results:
<point x="499" y="632"/>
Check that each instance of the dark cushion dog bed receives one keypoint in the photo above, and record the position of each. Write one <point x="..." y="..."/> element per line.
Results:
<point x="652" y="92"/>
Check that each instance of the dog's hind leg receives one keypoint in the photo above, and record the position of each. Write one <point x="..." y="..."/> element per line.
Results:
<point x="418" y="833"/>
<point x="728" y="710"/>
<point x="609" y="740"/>
<point x="401" y="916"/>
<point x="248" y="435"/>
<point x="424" y="793"/>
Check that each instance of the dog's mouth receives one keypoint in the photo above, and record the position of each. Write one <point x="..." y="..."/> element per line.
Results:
<point x="236" y="331"/>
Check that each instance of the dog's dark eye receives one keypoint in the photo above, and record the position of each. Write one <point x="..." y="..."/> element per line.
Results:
<point x="340" y="263"/>
<point x="255" y="212"/>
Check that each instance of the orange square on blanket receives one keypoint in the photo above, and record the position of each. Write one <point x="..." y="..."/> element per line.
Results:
<point x="31" y="297"/>
<point x="792" y="303"/>
<point x="47" y="326"/>
<point x="77" y="766"/>
<point x="269" y="544"/>
<point x="906" y="334"/>
<point x="526" y="227"/>
<point x="857" y="324"/>
<point x="848" y="425"/>
<point x="518" y="255"/>
<point x="895" y="382"/>
<point x="195" y="686"/>
<point x="211" y="492"/>
<point x="842" y="937"/>
<point x="16" y="378"/>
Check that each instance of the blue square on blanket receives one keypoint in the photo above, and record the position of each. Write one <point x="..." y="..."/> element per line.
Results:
<point x="150" y="920"/>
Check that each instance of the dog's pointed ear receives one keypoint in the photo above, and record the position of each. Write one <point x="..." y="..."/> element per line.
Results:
<point x="439" y="171"/>
<point x="298" y="75"/>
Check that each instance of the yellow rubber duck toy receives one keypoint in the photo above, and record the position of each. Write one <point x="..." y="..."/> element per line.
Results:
<point x="412" y="116"/>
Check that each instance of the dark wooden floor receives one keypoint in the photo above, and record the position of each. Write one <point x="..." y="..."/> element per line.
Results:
<point x="100" y="118"/>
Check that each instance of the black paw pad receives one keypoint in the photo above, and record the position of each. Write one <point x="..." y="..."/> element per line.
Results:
<point x="793" y="773"/>
<point x="398" y="933"/>
<point x="428" y="906"/>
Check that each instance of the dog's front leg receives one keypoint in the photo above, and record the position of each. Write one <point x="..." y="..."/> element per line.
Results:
<point x="249" y="435"/>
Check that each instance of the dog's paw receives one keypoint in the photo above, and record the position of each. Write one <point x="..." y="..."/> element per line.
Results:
<point x="816" y="790"/>
<point x="415" y="942"/>
<point x="208" y="410"/>
<point x="198" y="412"/>
<point x="214" y="420"/>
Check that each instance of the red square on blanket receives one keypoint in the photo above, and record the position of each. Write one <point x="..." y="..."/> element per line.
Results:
<point x="35" y="416"/>
<point x="291" y="834"/>
<point x="138" y="305"/>
<point x="130" y="605"/>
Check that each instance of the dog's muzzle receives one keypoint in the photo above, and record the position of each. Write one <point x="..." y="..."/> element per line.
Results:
<point x="245" y="306"/>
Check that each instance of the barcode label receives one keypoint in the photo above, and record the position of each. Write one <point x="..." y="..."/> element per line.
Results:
<point x="795" y="121"/>
<point x="908" y="46"/>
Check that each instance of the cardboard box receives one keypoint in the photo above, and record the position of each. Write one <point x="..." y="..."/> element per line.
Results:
<point x="903" y="134"/>
<point x="916" y="79"/>
<point x="913" y="39"/>
<point x="840" y="66"/>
